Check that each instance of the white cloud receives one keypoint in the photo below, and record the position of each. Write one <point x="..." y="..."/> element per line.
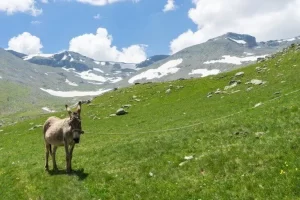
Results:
<point x="97" y="16"/>
<point x="169" y="6"/>
<point x="13" y="6"/>
<point x="99" y="47"/>
<point x="104" y="2"/>
<point x="25" y="43"/>
<point x="36" y="22"/>
<point x="272" y="19"/>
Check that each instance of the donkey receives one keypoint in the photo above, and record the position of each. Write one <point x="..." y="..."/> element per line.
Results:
<point x="62" y="132"/>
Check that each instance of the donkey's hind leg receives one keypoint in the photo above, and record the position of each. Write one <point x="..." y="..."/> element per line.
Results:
<point x="48" y="150"/>
<point x="53" y="157"/>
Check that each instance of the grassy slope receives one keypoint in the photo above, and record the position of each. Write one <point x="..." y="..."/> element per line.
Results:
<point x="115" y="157"/>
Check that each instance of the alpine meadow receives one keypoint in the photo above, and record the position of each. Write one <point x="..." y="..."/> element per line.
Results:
<point x="234" y="135"/>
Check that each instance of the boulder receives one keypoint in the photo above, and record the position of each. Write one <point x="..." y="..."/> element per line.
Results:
<point x="121" y="111"/>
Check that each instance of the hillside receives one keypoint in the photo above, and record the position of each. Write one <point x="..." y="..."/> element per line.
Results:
<point x="196" y="141"/>
<point x="224" y="53"/>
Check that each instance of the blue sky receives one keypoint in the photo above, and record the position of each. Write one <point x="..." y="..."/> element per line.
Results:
<point x="129" y="23"/>
<point x="132" y="30"/>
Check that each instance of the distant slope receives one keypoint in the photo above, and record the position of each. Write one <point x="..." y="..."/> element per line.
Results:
<point x="224" y="53"/>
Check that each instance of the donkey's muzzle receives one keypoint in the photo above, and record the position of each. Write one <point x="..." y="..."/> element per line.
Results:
<point x="76" y="140"/>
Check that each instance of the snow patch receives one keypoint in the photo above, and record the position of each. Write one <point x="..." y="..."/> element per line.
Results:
<point x="234" y="60"/>
<point x="87" y="75"/>
<point x="98" y="70"/>
<point x="65" y="57"/>
<point x="68" y="69"/>
<point x="37" y="55"/>
<point x="248" y="54"/>
<point x="238" y="41"/>
<point x="71" y="83"/>
<point x="96" y="62"/>
<point x="74" y="93"/>
<point x="72" y="59"/>
<point x="102" y="63"/>
<point x="205" y="72"/>
<point x="115" y="80"/>
<point x="0" y="77"/>
<point x="48" y="109"/>
<point x="165" y="69"/>
<point x="95" y="83"/>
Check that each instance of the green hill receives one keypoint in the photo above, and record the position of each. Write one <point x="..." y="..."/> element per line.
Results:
<point x="187" y="143"/>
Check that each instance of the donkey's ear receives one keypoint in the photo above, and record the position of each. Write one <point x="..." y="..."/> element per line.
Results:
<point x="79" y="108"/>
<point x="68" y="109"/>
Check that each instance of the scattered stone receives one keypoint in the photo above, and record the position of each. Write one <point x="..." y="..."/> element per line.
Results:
<point x="236" y="91"/>
<point x="249" y="88"/>
<point x="168" y="91"/>
<point x="1" y="130"/>
<point x="230" y="86"/>
<point x="112" y="115"/>
<point x="126" y="106"/>
<point x="256" y="82"/>
<point x="121" y="111"/>
<point x="35" y="126"/>
<point x="138" y="100"/>
<point x="183" y="163"/>
<point x="188" y="157"/>
<point x="277" y="93"/>
<point x="259" y="134"/>
<point x="136" y="83"/>
<point x="151" y="174"/>
<point x="240" y="74"/>
<point x="258" y="104"/>
<point x="134" y="97"/>
<point x="209" y="96"/>
<point x="179" y="87"/>
<point x="218" y="91"/>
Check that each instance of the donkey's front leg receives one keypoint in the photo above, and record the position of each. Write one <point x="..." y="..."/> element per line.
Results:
<point x="68" y="162"/>
<point x="71" y="154"/>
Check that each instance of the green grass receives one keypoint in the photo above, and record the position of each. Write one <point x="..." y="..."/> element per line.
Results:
<point x="116" y="154"/>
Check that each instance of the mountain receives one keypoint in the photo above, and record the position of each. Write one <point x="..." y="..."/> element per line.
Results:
<point x="45" y="80"/>
<point x="220" y="54"/>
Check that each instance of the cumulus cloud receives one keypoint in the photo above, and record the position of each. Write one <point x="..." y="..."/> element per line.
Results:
<point x="272" y="19"/>
<point x="13" y="6"/>
<point x="25" y="43"/>
<point x="104" y="2"/>
<point x="169" y="6"/>
<point x="97" y="16"/>
<point x="99" y="47"/>
<point x="36" y="22"/>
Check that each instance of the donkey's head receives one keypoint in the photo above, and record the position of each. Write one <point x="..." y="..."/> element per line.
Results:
<point x="75" y="122"/>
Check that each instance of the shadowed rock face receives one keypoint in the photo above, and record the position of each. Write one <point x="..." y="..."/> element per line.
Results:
<point x="250" y="40"/>
<point x="151" y="60"/>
